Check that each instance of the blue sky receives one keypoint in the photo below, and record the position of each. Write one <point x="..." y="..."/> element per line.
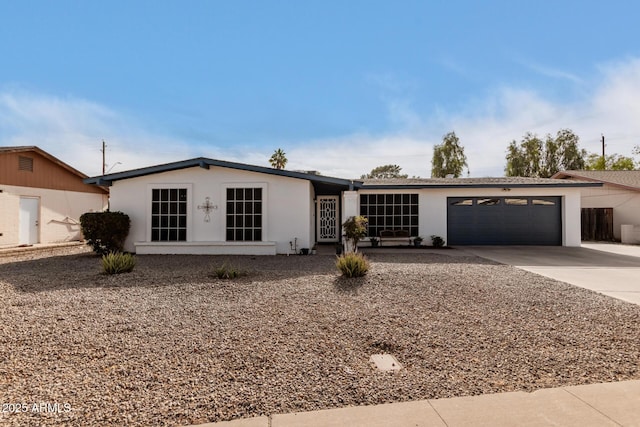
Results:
<point x="341" y="86"/>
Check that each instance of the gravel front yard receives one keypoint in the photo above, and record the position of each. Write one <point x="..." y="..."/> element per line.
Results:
<point x="169" y="345"/>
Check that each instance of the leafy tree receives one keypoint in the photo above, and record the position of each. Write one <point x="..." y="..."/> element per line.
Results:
<point x="614" y="162"/>
<point x="525" y="159"/>
<point x="385" y="172"/>
<point x="448" y="157"/>
<point x="535" y="158"/>
<point x="571" y="156"/>
<point x="278" y="160"/>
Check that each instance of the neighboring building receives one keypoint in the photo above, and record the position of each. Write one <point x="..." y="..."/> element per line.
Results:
<point x="216" y="207"/>
<point x="42" y="198"/>
<point x="620" y="192"/>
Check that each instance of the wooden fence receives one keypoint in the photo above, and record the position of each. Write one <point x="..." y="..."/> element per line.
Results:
<point x="597" y="224"/>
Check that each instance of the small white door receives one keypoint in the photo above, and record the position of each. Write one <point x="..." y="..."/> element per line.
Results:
<point x="327" y="217"/>
<point x="29" y="220"/>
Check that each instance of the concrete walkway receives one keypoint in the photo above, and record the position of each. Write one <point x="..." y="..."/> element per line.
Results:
<point x="609" y="404"/>
<point x="608" y="268"/>
<point x="13" y="249"/>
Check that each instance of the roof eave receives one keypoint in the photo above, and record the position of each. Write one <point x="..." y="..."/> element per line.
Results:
<point x="496" y="185"/>
<point x="27" y="148"/>
<point x="205" y="164"/>
<point x="565" y="175"/>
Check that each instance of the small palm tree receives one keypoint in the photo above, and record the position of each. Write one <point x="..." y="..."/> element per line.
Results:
<point x="278" y="160"/>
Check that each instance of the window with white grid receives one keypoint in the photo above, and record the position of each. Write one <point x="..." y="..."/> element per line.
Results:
<point x="244" y="214"/>
<point x="390" y="212"/>
<point x="168" y="214"/>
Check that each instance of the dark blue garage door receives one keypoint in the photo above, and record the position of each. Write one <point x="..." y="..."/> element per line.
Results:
<point x="504" y="221"/>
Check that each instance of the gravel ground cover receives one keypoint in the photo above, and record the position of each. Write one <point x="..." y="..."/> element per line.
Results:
<point x="170" y="345"/>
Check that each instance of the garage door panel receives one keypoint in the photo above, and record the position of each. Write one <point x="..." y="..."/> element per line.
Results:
<point x="504" y="221"/>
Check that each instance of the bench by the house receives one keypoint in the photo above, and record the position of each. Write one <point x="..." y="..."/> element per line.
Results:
<point x="397" y="236"/>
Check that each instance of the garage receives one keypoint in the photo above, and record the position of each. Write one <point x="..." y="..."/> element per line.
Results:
<point x="513" y="220"/>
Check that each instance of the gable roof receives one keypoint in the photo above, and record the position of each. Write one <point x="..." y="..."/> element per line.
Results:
<point x="33" y="148"/>
<point x="341" y="183"/>
<point x="52" y="172"/>
<point x="205" y="163"/>
<point x="629" y="180"/>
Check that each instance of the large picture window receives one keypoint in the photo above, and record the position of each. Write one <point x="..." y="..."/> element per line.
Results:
<point x="390" y="212"/>
<point x="244" y="214"/>
<point x="168" y="214"/>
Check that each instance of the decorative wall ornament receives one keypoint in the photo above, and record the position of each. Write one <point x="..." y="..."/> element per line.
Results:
<point x="207" y="207"/>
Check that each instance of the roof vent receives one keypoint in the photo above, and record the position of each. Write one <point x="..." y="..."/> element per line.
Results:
<point x="25" y="163"/>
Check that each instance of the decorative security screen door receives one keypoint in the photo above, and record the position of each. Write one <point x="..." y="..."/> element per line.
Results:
<point x="328" y="224"/>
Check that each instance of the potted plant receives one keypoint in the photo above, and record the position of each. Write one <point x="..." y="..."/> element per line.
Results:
<point x="417" y="241"/>
<point x="339" y="248"/>
<point x="355" y="228"/>
<point x="437" y="241"/>
<point x="374" y="242"/>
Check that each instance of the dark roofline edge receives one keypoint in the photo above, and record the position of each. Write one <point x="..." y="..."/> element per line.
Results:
<point x="352" y="184"/>
<point x="495" y="185"/>
<point x="205" y="163"/>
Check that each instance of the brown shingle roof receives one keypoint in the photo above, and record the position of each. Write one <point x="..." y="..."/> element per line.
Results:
<point x="472" y="182"/>
<point x="625" y="179"/>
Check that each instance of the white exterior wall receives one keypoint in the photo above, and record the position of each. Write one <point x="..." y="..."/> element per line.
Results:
<point x="432" y="211"/>
<point x="287" y="211"/>
<point x="59" y="213"/>
<point x="625" y="204"/>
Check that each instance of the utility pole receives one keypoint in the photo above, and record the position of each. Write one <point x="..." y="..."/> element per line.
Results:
<point x="603" y="158"/>
<point x="104" y="149"/>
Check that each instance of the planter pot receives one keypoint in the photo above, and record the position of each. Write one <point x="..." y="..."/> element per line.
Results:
<point x="374" y="243"/>
<point x="304" y="251"/>
<point x="417" y="243"/>
<point x="339" y="250"/>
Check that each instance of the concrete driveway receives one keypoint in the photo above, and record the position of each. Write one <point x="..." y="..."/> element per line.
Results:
<point x="611" y="269"/>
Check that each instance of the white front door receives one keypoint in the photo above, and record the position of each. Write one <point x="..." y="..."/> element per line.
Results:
<point x="328" y="223"/>
<point x="29" y="220"/>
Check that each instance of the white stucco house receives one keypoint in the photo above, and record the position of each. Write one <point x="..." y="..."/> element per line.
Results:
<point x="620" y="192"/>
<point x="42" y="198"/>
<point x="208" y="206"/>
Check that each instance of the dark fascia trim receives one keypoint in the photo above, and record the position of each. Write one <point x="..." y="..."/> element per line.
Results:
<point x="504" y="185"/>
<point x="205" y="163"/>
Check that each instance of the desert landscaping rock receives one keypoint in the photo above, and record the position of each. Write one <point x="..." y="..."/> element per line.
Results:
<point x="169" y="344"/>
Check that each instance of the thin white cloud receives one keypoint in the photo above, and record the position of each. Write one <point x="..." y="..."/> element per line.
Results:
<point x="487" y="126"/>
<point x="72" y="129"/>
<point x="552" y="72"/>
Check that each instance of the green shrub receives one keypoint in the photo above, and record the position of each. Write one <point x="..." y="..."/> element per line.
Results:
<point x="226" y="272"/>
<point x="105" y="232"/>
<point x="355" y="228"/>
<point x="118" y="262"/>
<point x="437" y="241"/>
<point x="352" y="264"/>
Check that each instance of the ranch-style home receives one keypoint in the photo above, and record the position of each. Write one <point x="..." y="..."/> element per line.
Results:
<point x="207" y="206"/>
<point x="42" y="198"/>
